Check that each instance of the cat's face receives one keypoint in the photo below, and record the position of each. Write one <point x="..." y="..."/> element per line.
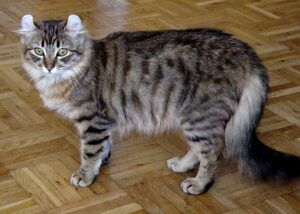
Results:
<point x="53" y="49"/>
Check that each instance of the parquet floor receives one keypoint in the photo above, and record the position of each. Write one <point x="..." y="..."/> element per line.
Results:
<point x="39" y="150"/>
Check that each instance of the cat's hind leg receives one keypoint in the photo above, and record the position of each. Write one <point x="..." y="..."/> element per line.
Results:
<point x="206" y="139"/>
<point x="208" y="152"/>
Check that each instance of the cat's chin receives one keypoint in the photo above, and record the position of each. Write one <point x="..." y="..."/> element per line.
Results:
<point x="57" y="75"/>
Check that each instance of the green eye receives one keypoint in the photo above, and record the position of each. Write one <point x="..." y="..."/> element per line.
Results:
<point x="39" y="51"/>
<point x="62" y="52"/>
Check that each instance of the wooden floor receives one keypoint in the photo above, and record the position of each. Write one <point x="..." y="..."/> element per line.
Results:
<point x="39" y="150"/>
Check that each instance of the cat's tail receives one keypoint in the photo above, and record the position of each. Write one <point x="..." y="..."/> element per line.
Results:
<point x="253" y="157"/>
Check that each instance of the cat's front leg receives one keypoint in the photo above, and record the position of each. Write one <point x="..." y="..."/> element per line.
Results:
<point x="96" y="141"/>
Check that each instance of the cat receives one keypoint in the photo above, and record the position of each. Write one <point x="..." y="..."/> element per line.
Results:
<point x="204" y="82"/>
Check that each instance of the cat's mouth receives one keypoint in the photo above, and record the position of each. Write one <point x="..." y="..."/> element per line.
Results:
<point x="48" y="71"/>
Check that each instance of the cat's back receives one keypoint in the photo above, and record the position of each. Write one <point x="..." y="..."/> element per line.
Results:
<point x="186" y="36"/>
<point x="157" y="41"/>
<point x="194" y="51"/>
<point x="211" y="49"/>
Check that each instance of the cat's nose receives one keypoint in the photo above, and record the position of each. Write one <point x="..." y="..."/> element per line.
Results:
<point x="49" y="64"/>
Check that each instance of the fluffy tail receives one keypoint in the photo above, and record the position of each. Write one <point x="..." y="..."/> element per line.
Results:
<point x="253" y="157"/>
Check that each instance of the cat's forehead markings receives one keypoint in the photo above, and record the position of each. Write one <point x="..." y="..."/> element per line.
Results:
<point x="51" y="32"/>
<point x="43" y="42"/>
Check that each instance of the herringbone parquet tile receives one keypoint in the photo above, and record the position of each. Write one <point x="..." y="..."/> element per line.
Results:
<point x="39" y="150"/>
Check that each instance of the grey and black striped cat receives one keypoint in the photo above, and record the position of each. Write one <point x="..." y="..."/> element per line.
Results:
<point x="204" y="82"/>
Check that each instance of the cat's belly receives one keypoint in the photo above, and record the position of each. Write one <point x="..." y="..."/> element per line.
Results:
<point x="147" y="125"/>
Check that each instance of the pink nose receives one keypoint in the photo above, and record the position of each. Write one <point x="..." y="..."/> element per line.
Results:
<point x="49" y="64"/>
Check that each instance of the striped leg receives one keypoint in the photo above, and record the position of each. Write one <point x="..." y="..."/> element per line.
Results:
<point x="205" y="135"/>
<point x="95" y="149"/>
<point x="207" y="151"/>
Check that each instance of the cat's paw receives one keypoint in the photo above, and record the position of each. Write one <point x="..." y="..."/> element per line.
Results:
<point x="82" y="179"/>
<point x="195" y="186"/>
<point x="174" y="165"/>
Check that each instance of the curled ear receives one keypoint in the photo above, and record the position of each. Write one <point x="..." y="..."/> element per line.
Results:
<point x="27" y="25"/>
<point x="74" y="24"/>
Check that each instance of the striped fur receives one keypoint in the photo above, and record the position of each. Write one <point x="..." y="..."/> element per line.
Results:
<point x="203" y="81"/>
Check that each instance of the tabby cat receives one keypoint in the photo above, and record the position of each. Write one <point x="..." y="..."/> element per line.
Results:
<point x="204" y="82"/>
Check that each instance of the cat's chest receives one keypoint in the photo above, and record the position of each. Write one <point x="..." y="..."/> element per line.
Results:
<point x="56" y="97"/>
<point x="61" y="105"/>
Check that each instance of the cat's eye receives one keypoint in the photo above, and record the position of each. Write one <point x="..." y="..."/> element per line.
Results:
<point x="39" y="51"/>
<point x="62" y="52"/>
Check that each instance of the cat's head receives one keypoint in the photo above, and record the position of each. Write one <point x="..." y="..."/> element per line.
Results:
<point x="55" y="49"/>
